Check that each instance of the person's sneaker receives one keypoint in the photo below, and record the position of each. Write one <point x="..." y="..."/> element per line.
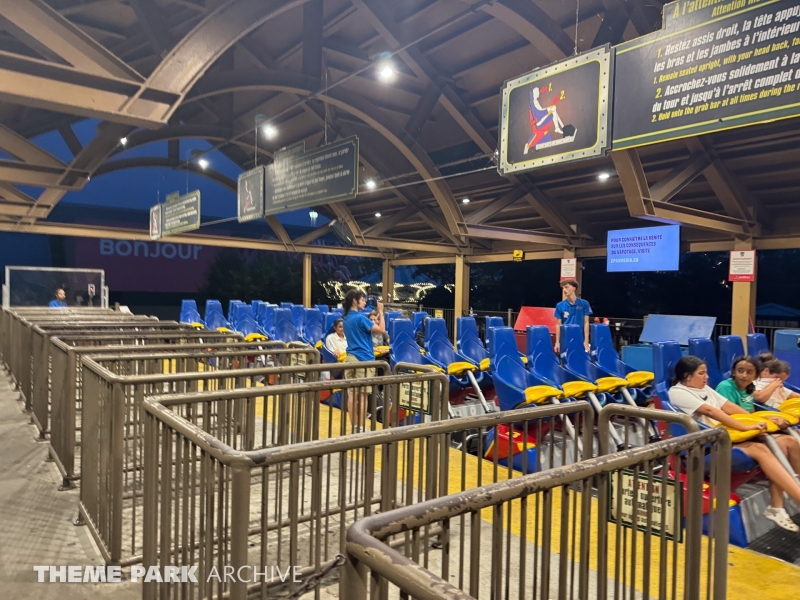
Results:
<point x="782" y="518"/>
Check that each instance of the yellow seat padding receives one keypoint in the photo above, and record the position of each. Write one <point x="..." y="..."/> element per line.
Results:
<point x="318" y="345"/>
<point x="611" y="384"/>
<point x="524" y="359"/>
<point x="223" y="330"/>
<point x="749" y="419"/>
<point x="792" y="410"/>
<point x="485" y="364"/>
<point x="422" y="351"/>
<point x="380" y="350"/>
<point x="342" y="357"/>
<point x="790" y="404"/>
<point x="640" y="378"/>
<point x="198" y="326"/>
<point x="255" y="337"/>
<point x="789" y="417"/>
<point x="457" y="368"/>
<point x="577" y="389"/>
<point x="539" y="394"/>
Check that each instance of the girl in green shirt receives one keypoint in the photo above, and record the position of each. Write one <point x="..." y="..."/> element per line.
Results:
<point x="741" y="385"/>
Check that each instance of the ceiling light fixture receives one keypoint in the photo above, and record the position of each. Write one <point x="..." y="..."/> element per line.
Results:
<point x="603" y="176"/>
<point x="465" y="201"/>
<point x="378" y="215"/>
<point x="386" y="73"/>
<point x="370" y="184"/>
<point x="270" y="131"/>
<point x="123" y="141"/>
<point x="203" y="163"/>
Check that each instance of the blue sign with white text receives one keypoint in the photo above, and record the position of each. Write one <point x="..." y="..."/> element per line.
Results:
<point x="646" y="249"/>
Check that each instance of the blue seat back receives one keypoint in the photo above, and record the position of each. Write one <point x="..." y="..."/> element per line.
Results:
<point x="400" y="328"/>
<point x="216" y="320"/>
<point x="323" y="308"/>
<point x="189" y="317"/>
<point x="757" y="344"/>
<point x="491" y="323"/>
<point x="255" y="304"/>
<point x="233" y="310"/>
<point x="391" y="316"/>
<point x="285" y="331"/>
<point x="245" y="310"/>
<point x="435" y="328"/>
<point x="731" y="347"/>
<point x="286" y="305"/>
<point x="299" y="317"/>
<point x="402" y="347"/>
<point x="514" y="373"/>
<point x="576" y="359"/>
<point x="247" y="325"/>
<point x="189" y="305"/>
<point x="503" y="343"/>
<point x="704" y="348"/>
<point x="337" y="310"/>
<point x="469" y="343"/>
<point x="418" y="316"/>
<point x="328" y="320"/>
<point x="313" y="327"/>
<point x="538" y="342"/>
<point x="212" y="306"/>
<point x="266" y="318"/>
<point x="603" y="351"/>
<point x="665" y="356"/>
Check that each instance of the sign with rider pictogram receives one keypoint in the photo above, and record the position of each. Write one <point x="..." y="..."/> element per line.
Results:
<point x="556" y="114"/>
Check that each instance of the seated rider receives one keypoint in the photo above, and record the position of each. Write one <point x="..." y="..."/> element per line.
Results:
<point x="690" y="393"/>
<point x="769" y="385"/>
<point x="379" y="339"/>
<point x="336" y="342"/>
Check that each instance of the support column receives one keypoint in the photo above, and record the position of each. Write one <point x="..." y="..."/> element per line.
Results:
<point x="743" y="306"/>
<point x="388" y="281"/>
<point x="307" y="280"/>
<point x="461" y="292"/>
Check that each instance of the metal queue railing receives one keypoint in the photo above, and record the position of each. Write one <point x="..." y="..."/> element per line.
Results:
<point x="622" y="525"/>
<point x="66" y="378"/>
<point x="211" y="504"/>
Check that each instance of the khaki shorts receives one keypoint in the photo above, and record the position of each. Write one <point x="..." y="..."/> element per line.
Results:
<point x="358" y="373"/>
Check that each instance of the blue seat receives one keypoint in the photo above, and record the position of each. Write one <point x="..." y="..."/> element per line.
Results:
<point x="402" y="345"/>
<point x="299" y="319"/>
<point x="578" y="361"/>
<point x="233" y="310"/>
<point x="418" y="317"/>
<point x="266" y="318"/>
<point x="285" y="331"/>
<point x="543" y="363"/>
<point x="328" y="320"/>
<point x="514" y="384"/>
<point x="602" y="345"/>
<point x="440" y="352"/>
<point x="491" y="323"/>
<point x="313" y="327"/>
<point x="391" y="316"/>
<point x="469" y="344"/>
<point x="704" y="348"/>
<point x="730" y="348"/>
<point x="212" y="306"/>
<point x="286" y="305"/>
<point x="757" y="344"/>
<point x="216" y="320"/>
<point x="189" y="314"/>
<point x="247" y="326"/>
<point x="323" y="308"/>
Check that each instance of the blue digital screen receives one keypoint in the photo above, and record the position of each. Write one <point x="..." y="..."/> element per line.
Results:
<point x="645" y="249"/>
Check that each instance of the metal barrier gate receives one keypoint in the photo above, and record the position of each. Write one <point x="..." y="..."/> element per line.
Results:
<point x="623" y="525"/>
<point x="113" y="437"/>
<point x="210" y="504"/>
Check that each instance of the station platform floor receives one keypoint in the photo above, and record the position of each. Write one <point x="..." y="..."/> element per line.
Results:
<point x="37" y="528"/>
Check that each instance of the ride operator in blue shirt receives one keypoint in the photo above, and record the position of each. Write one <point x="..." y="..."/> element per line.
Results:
<point x="572" y="311"/>
<point x="60" y="300"/>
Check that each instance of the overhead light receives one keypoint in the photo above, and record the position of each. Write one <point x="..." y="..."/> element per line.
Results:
<point x="370" y="184"/>
<point x="603" y="176"/>
<point x="203" y="163"/>
<point x="465" y="201"/>
<point x="123" y="141"/>
<point x="313" y="214"/>
<point x="378" y="215"/>
<point x="270" y="131"/>
<point x="386" y="72"/>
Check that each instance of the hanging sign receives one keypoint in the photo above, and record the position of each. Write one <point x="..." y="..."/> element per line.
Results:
<point x="299" y="179"/>
<point x="556" y="114"/>
<point x="714" y="65"/>
<point x="176" y="215"/>
<point x="250" y="195"/>
<point x="644" y="501"/>
<point x="742" y="265"/>
<point x="416" y="396"/>
<point x="156" y="218"/>
<point x="569" y="268"/>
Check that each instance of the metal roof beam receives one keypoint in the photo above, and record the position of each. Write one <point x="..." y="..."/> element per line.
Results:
<point x="25" y="150"/>
<point x="679" y="177"/>
<point x="70" y="139"/>
<point x="152" y="22"/>
<point x="494" y="207"/>
<point x="492" y="232"/>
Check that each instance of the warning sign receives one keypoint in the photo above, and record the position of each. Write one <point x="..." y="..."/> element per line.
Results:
<point x="742" y="265"/>
<point x="658" y="502"/>
<point x="416" y="396"/>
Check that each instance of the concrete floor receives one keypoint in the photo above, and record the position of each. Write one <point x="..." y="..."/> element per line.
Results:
<point x="37" y="519"/>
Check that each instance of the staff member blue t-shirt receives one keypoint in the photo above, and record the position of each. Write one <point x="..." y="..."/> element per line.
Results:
<point x="57" y="304"/>
<point x="358" y="331"/>
<point x="573" y="314"/>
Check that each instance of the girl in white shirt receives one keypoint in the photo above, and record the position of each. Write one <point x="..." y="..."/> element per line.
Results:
<point x="690" y="393"/>
<point x="769" y="386"/>
<point x="336" y="342"/>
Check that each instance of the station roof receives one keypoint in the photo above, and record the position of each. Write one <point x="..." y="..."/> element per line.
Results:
<point x="156" y="70"/>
